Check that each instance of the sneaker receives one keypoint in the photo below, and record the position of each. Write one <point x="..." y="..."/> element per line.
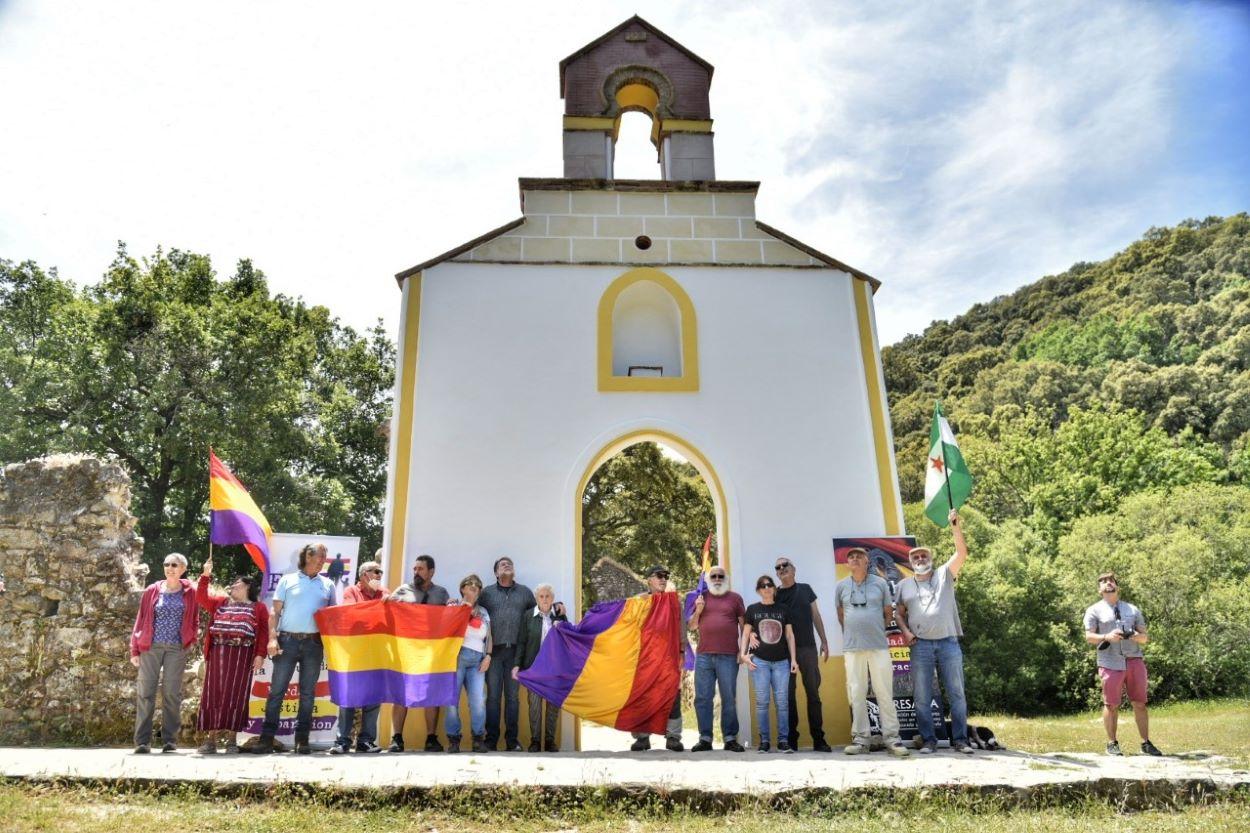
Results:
<point x="1149" y="748"/>
<point x="338" y="749"/>
<point x="535" y="746"/>
<point x="785" y="748"/>
<point x="513" y="746"/>
<point x="962" y="748"/>
<point x="764" y="747"/>
<point x="143" y="749"/>
<point x="453" y="743"/>
<point x="702" y="746"/>
<point x="928" y="749"/>
<point x="733" y="746"/>
<point x="169" y="747"/>
<point x="1113" y="748"/>
<point x="208" y="747"/>
<point x="641" y="744"/>
<point x="397" y="744"/>
<point x="264" y="745"/>
<point x="821" y="746"/>
<point x="674" y="745"/>
<point x="367" y="748"/>
<point x="898" y="750"/>
<point x="432" y="744"/>
<point x="855" y="749"/>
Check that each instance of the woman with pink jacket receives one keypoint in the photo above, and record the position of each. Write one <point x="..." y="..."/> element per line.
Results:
<point x="164" y="629"/>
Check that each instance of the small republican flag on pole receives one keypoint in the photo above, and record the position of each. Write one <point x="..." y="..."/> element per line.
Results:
<point x="233" y="517"/>
<point x="947" y="482"/>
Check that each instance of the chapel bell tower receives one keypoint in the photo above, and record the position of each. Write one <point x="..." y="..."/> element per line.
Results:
<point x="637" y="67"/>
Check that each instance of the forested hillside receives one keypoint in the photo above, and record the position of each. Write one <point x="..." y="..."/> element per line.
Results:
<point x="1105" y="413"/>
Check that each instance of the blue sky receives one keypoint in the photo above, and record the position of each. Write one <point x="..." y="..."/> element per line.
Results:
<point x="955" y="150"/>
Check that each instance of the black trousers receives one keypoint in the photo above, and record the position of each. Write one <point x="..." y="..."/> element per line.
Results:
<point x="500" y="685"/>
<point x="808" y="659"/>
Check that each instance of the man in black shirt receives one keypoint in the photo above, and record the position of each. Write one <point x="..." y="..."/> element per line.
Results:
<point x="507" y="603"/>
<point x="800" y="601"/>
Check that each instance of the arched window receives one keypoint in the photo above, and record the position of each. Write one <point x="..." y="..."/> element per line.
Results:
<point x="648" y="335"/>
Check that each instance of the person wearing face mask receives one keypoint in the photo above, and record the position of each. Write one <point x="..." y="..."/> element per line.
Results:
<point x="234" y="650"/>
<point x="718" y="617"/>
<point x="423" y="591"/>
<point x="928" y="618"/>
<point x="368" y="588"/>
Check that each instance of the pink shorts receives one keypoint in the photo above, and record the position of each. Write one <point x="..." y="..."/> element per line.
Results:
<point x="1133" y="677"/>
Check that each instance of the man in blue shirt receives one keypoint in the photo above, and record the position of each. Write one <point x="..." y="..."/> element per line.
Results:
<point x="295" y="640"/>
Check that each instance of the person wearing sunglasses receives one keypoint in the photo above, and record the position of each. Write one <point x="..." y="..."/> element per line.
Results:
<point x="368" y="588"/>
<point x="718" y="616"/>
<point x="771" y="661"/>
<point x="800" y="600"/>
<point x="165" y="627"/>
<point x="657" y="582"/>
<point x="421" y="590"/>
<point x="865" y="609"/>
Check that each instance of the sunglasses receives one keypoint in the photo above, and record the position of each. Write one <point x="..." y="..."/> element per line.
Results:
<point x="172" y="564"/>
<point x="659" y="575"/>
<point x="376" y="571"/>
<point x="783" y="566"/>
<point x="716" y="577"/>
<point x="765" y="587"/>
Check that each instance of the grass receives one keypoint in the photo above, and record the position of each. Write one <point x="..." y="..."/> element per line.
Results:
<point x="1215" y="727"/>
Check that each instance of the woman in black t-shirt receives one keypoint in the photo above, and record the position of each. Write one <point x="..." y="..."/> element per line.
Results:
<point x="772" y="661"/>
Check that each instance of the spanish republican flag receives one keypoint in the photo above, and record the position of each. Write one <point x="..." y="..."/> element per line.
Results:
<point x="233" y="517"/>
<point x="620" y="666"/>
<point x="388" y="652"/>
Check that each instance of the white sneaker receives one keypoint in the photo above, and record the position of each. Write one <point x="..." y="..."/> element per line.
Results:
<point x="898" y="750"/>
<point x="855" y="749"/>
<point x="927" y="749"/>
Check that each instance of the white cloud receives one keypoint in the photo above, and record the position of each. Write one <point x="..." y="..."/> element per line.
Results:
<point x="953" y="150"/>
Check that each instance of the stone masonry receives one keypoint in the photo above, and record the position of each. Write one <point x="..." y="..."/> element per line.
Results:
<point x="73" y="571"/>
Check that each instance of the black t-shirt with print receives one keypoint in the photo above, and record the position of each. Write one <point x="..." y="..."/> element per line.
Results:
<point x="769" y="623"/>
<point x="798" y="602"/>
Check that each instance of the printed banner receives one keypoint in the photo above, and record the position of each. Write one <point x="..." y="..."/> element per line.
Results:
<point x="340" y="567"/>
<point x="887" y="557"/>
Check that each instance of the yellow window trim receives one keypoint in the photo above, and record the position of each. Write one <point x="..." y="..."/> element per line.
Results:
<point x="876" y="407"/>
<point x="688" y="381"/>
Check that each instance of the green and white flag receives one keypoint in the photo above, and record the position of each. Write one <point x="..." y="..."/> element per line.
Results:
<point x="947" y="482"/>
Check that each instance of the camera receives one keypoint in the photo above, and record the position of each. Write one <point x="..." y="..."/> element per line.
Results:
<point x="1125" y="632"/>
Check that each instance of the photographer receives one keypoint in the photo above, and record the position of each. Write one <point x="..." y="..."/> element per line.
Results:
<point x="1118" y="629"/>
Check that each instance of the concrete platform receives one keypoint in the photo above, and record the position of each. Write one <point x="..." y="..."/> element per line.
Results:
<point x="748" y="773"/>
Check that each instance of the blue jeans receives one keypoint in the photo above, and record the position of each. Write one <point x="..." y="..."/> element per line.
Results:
<point x="307" y="653"/>
<point x="474" y="684"/>
<point x="368" y="725"/>
<point x="772" y="678"/>
<point x="712" y="672"/>
<point x="949" y="659"/>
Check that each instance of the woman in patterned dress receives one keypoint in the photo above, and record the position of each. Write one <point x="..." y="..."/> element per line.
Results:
<point x="234" y="649"/>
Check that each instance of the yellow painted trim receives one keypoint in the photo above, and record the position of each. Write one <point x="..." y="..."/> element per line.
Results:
<point x="694" y="455"/>
<point x="876" y="407"/>
<point x="688" y="381"/>
<point x="687" y="126"/>
<point x="403" y="429"/>
<point x="638" y="96"/>
<point x="589" y="123"/>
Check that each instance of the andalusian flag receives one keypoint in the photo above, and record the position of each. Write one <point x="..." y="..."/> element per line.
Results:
<point x="947" y="482"/>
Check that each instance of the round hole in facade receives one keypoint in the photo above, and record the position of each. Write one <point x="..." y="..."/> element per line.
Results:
<point x="643" y="242"/>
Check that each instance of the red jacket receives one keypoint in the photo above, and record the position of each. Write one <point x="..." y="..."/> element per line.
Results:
<point x="141" y="636"/>
<point x="360" y="592"/>
<point x="210" y="602"/>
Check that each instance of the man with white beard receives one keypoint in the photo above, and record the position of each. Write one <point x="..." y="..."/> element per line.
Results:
<point x="718" y="617"/>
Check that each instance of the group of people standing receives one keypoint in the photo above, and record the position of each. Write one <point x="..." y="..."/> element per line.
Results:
<point x="775" y="638"/>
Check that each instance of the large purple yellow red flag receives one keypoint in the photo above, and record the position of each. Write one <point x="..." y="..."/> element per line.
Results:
<point x="233" y="517"/>
<point x="383" y="652"/>
<point x="620" y="666"/>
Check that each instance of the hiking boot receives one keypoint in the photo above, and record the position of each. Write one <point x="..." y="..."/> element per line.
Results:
<point x="453" y="743"/>
<point x="208" y="747"/>
<point x="962" y="748"/>
<point x="367" y="748"/>
<point x="1113" y="748"/>
<point x="898" y="750"/>
<point x="674" y="745"/>
<point x="641" y="744"/>
<point x="168" y="747"/>
<point x="301" y="745"/>
<point x="821" y="746"/>
<point x="702" y="746"/>
<point x="264" y="745"/>
<point x="143" y="749"/>
<point x="397" y="744"/>
<point x="338" y="748"/>
<point x="1149" y="748"/>
<point x="549" y="745"/>
<point x="535" y="746"/>
<point x="733" y="746"/>
<point x="432" y="744"/>
<point x="764" y="747"/>
<point x="479" y="745"/>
